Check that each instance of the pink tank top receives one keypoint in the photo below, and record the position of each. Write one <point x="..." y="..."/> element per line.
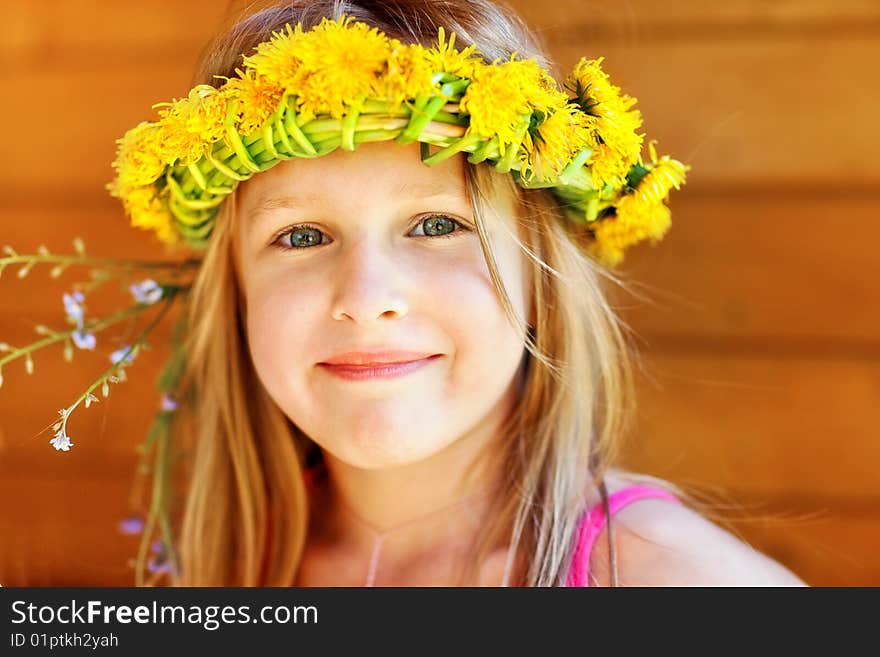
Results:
<point x="593" y="521"/>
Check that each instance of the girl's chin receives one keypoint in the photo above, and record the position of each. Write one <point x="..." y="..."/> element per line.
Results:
<point x="380" y="457"/>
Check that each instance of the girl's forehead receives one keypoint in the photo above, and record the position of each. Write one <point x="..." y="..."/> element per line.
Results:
<point x="393" y="168"/>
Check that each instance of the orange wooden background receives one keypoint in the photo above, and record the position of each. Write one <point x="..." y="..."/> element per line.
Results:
<point x="759" y="315"/>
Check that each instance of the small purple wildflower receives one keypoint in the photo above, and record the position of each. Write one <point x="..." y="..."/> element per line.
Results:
<point x="61" y="441"/>
<point x="159" y="563"/>
<point x="132" y="524"/>
<point x="83" y="340"/>
<point x="74" y="311"/>
<point x="117" y="355"/>
<point x="157" y="566"/>
<point x="168" y="404"/>
<point x="72" y="306"/>
<point x="146" y="292"/>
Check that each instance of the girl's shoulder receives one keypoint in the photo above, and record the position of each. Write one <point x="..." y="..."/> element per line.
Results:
<point x="660" y="542"/>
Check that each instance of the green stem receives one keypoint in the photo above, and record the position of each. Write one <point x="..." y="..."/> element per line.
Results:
<point x="95" y="327"/>
<point x="162" y="457"/>
<point x="484" y="151"/>
<point x="505" y="164"/>
<point x="100" y="262"/>
<point x="470" y="141"/>
<point x="423" y="112"/>
<point x="155" y="509"/>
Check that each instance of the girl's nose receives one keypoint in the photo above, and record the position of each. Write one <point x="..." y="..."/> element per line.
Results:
<point x="368" y="285"/>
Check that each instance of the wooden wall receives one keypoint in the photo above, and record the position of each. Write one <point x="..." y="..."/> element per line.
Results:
<point x="758" y="316"/>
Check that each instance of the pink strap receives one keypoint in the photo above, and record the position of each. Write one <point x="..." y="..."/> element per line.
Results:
<point x="593" y="521"/>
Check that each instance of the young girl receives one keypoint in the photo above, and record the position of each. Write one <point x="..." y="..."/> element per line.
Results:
<point x="400" y="366"/>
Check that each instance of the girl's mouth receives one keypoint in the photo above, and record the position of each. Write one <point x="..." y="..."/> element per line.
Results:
<point x="377" y="370"/>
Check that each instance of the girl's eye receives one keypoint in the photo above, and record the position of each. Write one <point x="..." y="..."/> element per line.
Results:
<point x="438" y="225"/>
<point x="299" y="237"/>
<point x="304" y="236"/>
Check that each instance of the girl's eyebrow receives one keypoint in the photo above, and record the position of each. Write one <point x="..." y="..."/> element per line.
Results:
<point x="290" y="201"/>
<point x="286" y="201"/>
<point x="424" y="190"/>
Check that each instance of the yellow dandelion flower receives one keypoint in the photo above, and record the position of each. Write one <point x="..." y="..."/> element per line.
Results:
<point x="607" y="166"/>
<point x="277" y="59"/>
<point x="149" y="211"/>
<point x="641" y="214"/>
<point x="632" y="224"/>
<point x="557" y="140"/>
<point x="201" y="112"/>
<point x="258" y="98"/>
<point x="408" y="76"/>
<point x="178" y="142"/>
<point x="444" y="58"/>
<point x="495" y="103"/>
<point x="540" y="87"/>
<point x="341" y="62"/>
<point x="617" y="143"/>
<point x="665" y="175"/>
<point x="500" y="94"/>
<point x="188" y="124"/>
<point x="139" y="156"/>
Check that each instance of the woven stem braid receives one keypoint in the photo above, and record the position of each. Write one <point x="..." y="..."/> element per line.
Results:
<point x="198" y="189"/>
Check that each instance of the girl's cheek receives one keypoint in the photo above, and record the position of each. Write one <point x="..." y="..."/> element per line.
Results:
<point x="280" y="319"/>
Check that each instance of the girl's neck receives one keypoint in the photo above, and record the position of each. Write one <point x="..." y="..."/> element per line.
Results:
<point x="388" y="498"/>
<point x="398" y="524"/>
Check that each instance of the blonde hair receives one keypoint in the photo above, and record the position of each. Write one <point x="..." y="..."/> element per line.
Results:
<point x="245" y="517"/>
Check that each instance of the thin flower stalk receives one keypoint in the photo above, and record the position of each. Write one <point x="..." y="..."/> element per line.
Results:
<point x="64" y="261"/>
<point x="57" y="336"/>
<point x="111" y="373"/>
<point x="155" y="448"/>
<point x="158" y="512"/>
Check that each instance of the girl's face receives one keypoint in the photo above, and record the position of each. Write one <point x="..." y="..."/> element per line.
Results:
<point x="371" y="256"/>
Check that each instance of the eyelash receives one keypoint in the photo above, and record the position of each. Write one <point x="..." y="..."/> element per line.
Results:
<point x="277" y="239"/>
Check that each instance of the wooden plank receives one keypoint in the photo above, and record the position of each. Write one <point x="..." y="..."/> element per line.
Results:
<point x="106" y="233"/>
<point x="63" y="532"/>
<point x="828" y="549"/>
<point x="31" y="33"/>
<point x="807" y="420"/>
<point x="68" y="123"/>
<point x="775" y="268"/>
<point x="774" y="272"/>
<point x="751" y="116"/>
<point x="807" y="433"/>
<point x="56" y="538"/>
<point x="648" y="12"/>
<point x="764" y="426"/>
<point x="742" y="116"/>
<point x="36" y="32"/>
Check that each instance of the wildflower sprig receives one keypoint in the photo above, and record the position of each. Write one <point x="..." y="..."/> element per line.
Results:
<point x="114" y="374"/>
<point x="160" y="503"/>
<point x="155" y="459"/>
<point x="305" y="93"/>
<point x="54" y="337"/>
<point x="82" y="335"/>
<point x="62" y="262"/>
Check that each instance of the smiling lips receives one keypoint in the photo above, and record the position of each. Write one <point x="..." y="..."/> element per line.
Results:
<point x="360" y="365"/>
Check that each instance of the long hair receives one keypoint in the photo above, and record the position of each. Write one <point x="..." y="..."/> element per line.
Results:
<point x="245" y="517"/>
